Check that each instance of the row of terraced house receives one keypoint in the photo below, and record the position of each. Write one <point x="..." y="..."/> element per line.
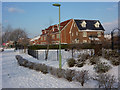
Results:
<point x="72" y="31"/>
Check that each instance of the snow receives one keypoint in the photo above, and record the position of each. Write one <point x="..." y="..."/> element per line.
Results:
<point x="35" y="38"/>
<point x="15" y="76"/>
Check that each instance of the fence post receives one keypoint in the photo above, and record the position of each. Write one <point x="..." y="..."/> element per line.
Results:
<point x="72" y="52"/>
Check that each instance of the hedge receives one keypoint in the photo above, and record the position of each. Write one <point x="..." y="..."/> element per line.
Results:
<point x="63" y="46"/>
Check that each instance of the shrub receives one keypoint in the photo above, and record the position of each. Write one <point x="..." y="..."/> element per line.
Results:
<point x="106" y="81"/>
<point x="82" y="76"/>
<point x="30" y="65"/>
<point x="69" y="74"/>
<point x="83" y="57"/>
<point x="80" y="64"/>
<point x="44" y="68"/>
<point x="60" y="73"/>
<point x="52" y="70"/>
<point x="115" y="61"/>
<point x="94" y="60"/>
<point x="37" y="66"/>
<point x="102" y="67"/>
<point x="71" y="62"/>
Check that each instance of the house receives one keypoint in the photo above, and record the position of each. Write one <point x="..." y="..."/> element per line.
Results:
<point x="35" y="40"/>
<point x="73" y="31"/>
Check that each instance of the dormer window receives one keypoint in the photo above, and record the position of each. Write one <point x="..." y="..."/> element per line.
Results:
<point x="97" y="24"/>
<point x="83" y="24"/>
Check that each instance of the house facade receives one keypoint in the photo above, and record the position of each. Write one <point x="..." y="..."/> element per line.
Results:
<point x="73" y="31"/>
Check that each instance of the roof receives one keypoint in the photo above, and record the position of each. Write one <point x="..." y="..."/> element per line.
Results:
<point x="89" y="25"/>
<point x="35" y="38"/>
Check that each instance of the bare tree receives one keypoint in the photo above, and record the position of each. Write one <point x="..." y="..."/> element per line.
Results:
<point x="6" y="33"/>
<point x="48" y="41"/>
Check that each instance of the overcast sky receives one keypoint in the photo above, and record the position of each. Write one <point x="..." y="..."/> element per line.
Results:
<point x="35" y="16"/>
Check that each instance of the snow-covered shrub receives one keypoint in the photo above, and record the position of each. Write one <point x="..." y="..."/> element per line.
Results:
<point x="71" y="62"/>
<point x="94" y="60"/>
<point x="106" y="81"/>
<point x="115" y="61"/>
<point x="69" y="74"/>
<point x="60" y="73"/>
<point x="102" y="67"/>
<point x="30" y="65"/>
<point x="79" y="64"/>
<point x="43" y="68"/>
<point x="37" y="67"/>
<point x="52" y="70"/>
<point x="18" y="57"/>
<point x="82" y="76"/>
<point x="83" y="57"/>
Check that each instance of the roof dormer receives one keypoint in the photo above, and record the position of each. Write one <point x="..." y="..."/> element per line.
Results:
<point x="83" y="24"/>
<point x="97" y="24"/>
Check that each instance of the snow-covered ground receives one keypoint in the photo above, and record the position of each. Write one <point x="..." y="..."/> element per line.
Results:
<point x="15" y="76"/>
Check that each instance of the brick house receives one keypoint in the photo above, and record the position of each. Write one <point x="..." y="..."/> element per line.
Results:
<point x="73" y="31"/>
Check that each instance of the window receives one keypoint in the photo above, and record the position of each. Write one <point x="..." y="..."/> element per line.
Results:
<point x="41" y="38"/>
<point x="99" y="34"/>
<point x="84" y="34"/>
<point x="77" y="40"/>
<point x="83" y="24"/>
<point x="84" y="41"/>
<point x="57" y="35"/>
<point x="53" y="36"/>
<point x="72" y="34"/>
<point x="44" y="38"/>
<point x="97" y="24"/>
<point x="76" y="33"/>
<point x="74" y="24"/>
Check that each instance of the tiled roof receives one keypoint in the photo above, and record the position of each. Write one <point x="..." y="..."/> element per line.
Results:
<point x="89" y="25"/>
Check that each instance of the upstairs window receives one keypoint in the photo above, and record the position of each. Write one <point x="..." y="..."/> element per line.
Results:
<point x="57" y="35"/>
<point x="99" y="34"/>
<point x="83" y="24"/>
<point x="97" y="24"/>
<point x="53" y="36"/>
<point x="76" y="33"/>
<point x="84" y="34"/>
<point x="41" y="38"/>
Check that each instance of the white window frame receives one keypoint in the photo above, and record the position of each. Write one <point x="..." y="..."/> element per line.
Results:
<point x="41" y="38"/>
<point x="84" y="41"/>
<point x="84" y="34"/>
<point x="97" y="24"/>
<point x="83" y="24"/>
<point x="76" y="33"/>
<point x="99" y="34"/>
<point x="72" y="34"/>
<point x="53" y="36"/>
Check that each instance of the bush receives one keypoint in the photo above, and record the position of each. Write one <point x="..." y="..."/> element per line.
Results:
<point x="102" y="67"/>
<point x="106" y="81"/>
<point x="30" y="65"/>
<point x="60" y="73"/>
<point x="83" y="57"/>
<point x="71" y="62"/>
<point x="69" y="74"/>
<point x="82" y="76"/>
<point x="37" y="67"/>
<point x="115" y="61"/>
<point x="94" y="60"/>
<point x="44" y="68"/>
<point x="52" y="70"/>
